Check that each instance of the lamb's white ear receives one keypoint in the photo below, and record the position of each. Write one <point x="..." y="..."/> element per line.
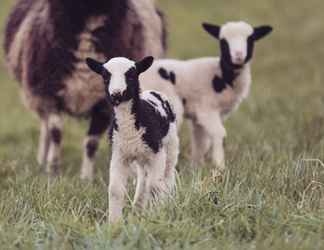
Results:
<point x="212" y="29"/>
<point x="144" y="64"/>
<point x="94" y="65"/>
<point x="261" y="31"/>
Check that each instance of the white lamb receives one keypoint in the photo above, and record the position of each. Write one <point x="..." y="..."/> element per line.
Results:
<point x="143" y="135"/>
<point x="211" y="88"/>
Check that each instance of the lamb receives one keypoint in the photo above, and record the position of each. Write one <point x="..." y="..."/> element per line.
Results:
<point x="46" y="43"/>
<point x="212" y="88"/>
<point x="143" y="135"/>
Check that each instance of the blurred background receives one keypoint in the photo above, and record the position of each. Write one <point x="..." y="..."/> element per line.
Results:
<point x="285" y="108"/>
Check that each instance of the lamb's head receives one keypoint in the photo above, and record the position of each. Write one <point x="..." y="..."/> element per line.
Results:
<point x="120" y="76"/>
<point x="237" y="40"/>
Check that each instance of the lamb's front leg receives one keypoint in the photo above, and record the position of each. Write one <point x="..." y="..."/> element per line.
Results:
<point x="157" y="187"/>
<point x="212" y="123"/>
<point x="200" y="143"/>
<point x="140" y="198"/>
<point x="119" y="173"/>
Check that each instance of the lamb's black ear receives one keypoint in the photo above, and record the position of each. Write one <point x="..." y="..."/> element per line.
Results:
<point x="94" y="65"/>
<point x="261" y="31"/>
<point x="144" y="64"/>
<point x="212" y="29"/>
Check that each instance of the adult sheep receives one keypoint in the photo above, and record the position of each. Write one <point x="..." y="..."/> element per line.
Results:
<point x="46" y="44"/>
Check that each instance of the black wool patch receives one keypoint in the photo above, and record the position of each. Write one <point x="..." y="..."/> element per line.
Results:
<point x="113" y="127"/>
<point x="156" y="126"/>
<point x="169" y="76"/>
<point x="56" y="135"/>
<point x="101" y="117"/>
<point x="219" y="84"/>
<point x="92" y="147"/>
<point x="166" y="106"/>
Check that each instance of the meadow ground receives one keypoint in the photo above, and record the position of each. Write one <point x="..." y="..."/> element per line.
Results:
<point x="270" y="198"/>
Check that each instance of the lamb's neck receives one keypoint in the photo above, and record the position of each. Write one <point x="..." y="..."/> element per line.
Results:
<point x="242" y="81"/>
<point x="124" y="115"/>
<point x="236" y="76"/>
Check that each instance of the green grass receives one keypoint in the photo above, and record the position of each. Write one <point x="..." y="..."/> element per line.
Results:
<point x="269" y="199"/>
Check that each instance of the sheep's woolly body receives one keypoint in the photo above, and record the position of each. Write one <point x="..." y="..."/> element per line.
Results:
<point x="194" y="84"/>
<point x="152" y="27"/>
<point x="78" y="95"/>
<point x="150" y="80"/>
<point x="67" y="87"/>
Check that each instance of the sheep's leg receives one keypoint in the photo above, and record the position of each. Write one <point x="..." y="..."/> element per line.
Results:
<point x="44" y="142"/>
<point x="213" y="125"/>
<point x="98" y="125"/>
<point x="200" y="143"/>
<point x="156" y="184"/>
<point x="172" y="151"/>
<point x="119" y="173"/>
<point x="140" y="197"/>
<point x="55" y="124"/>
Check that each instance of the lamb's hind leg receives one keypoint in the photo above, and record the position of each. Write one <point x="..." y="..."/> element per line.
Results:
<point x="55" y="125"/>
<point x="118" y="177"/>
<point x="44" y="142"/>
<point x="99" y="123"/>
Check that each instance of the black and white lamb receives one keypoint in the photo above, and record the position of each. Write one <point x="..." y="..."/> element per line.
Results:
<point x="143" y="136"/>
<point x="211" y="88"/>
<point x="46" y="43"/>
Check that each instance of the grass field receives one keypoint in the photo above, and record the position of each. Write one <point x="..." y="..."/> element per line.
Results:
<point x="270" y="198"/>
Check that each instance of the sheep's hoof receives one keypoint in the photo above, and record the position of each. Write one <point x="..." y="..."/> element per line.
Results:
<point x="86" y="177"/>
<point x="218" y="175"/>
<point x="49" y="170"/>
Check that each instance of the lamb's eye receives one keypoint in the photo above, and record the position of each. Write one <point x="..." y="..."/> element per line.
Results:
<point x="131" y="75"/>
<point x="106" y="77"/>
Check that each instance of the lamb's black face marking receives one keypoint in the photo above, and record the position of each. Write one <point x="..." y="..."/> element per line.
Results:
<point x="131" y="92"/>
<point x="169" y="76"/>
<point x="236" y="46"/>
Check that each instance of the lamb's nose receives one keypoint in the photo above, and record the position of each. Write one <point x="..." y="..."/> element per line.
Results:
<point x="239" y="55"/>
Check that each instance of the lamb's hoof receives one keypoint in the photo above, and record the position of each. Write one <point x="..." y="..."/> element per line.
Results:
<point x="51" y="171"/>
<point x="218" y="175"/>
<point x="86" y="177"/>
